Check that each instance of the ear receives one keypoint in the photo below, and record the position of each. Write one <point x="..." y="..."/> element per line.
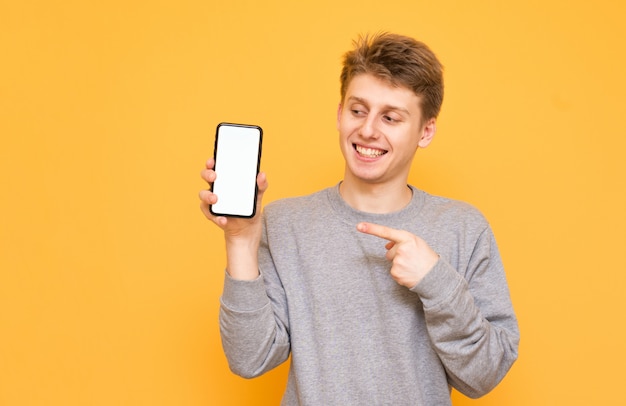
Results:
<point x="428" y="133"/>
<point x="339" y="110"/>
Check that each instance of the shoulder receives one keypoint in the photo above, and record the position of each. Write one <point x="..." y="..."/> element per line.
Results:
<point x="449" y="210"/>
<point x="449" y="205"/>
<point x="296" y="206"/>
<point x="297" y="217"/>
<point x="453" y="228"/>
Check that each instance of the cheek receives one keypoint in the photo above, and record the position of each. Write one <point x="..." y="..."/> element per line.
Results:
<point x="346" y="124"/>
<point x="344" y="144"/>
<point x="342" y="138"/>
<point x="341" y="128"/>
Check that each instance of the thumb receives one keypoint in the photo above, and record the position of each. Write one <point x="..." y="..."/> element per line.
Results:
<point x="262" y="184"/>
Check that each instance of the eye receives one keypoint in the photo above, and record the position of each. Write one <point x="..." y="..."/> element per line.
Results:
<point x="390" y="119"/>
<point x="358" y="110"/>
<point x="359" y="113"/>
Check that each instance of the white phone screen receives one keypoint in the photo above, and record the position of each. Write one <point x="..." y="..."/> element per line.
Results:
<point x="237" y="157"/>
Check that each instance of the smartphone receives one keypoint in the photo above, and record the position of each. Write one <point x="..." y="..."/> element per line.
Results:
<point x="237" y="154"/>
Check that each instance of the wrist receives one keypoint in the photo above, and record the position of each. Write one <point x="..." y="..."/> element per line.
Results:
<point x="242" y="259"/>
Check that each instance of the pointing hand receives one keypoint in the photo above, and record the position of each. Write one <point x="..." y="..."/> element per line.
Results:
<point x="411" y="257"/>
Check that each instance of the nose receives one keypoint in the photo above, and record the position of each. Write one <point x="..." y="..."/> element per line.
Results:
<point x="368" y="128"/>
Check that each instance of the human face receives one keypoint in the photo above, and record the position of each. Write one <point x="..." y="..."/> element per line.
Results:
<point x="380" y="128"/>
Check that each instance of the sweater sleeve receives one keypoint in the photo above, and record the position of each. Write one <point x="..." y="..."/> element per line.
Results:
<point x="470" y="319"/>
<point x="254" y="335"/>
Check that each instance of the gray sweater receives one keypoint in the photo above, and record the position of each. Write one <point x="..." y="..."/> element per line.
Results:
<point x="355" y="336"/>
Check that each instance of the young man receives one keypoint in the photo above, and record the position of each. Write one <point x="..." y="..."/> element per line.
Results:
<point x="381" y="293"/>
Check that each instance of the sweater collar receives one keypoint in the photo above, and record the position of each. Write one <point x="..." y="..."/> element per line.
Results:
<point x="396" y="219"/>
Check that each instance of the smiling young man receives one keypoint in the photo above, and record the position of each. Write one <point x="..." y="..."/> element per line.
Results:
<point x="382" y="293"/>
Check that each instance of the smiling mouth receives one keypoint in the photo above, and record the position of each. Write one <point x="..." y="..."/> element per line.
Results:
<point x="368" y="152"/>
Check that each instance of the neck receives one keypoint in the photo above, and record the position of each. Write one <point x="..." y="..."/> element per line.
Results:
<point x="375" y="198"/>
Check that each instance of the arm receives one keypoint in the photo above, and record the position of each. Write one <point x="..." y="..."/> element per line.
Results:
<point x="470" y="319"/>
<point x="253" y="337"/>
<point x="468" y="313"/>
<point x="252" y="341"/>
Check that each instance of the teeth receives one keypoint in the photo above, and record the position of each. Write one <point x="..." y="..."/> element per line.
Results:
<point x="369" y="152"/>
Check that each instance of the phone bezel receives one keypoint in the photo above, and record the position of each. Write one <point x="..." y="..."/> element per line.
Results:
<point x="258" y="166"/>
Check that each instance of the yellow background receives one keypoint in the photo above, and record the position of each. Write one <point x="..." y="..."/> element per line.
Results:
<point x="109" y="274"/>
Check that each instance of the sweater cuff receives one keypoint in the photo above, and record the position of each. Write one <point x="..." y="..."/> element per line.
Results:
<point x="438" y="284"/>
<point x="244" y="296"/>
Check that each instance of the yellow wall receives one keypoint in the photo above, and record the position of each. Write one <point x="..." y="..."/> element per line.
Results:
<point x="110" y="275"/>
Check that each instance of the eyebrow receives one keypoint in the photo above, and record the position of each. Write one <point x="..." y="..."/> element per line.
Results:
<point x="386" y="107"/>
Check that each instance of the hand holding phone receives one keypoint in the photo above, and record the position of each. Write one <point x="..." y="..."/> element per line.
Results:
<point x="237" y="155"/>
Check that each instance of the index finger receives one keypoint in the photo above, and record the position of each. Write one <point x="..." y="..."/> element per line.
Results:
<point x="210" y="163"/>
<point x="387" y="233"/>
